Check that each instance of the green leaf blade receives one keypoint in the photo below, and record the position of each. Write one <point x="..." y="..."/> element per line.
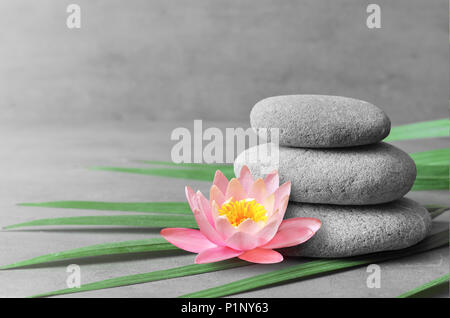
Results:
<point x="314" y="268"/>
<point x="155" y="221"/>
<point x="436" y="210"/>
<point x="418" y="291"/>
<point x="137" y="246"/>
<point x="212" y="166"/>
<point x="188" y="270"/>
<point x="430" y="183"/>
<point x="267" y="279"/>
<point x="192" y="174"/>
<point x="126" y="247"/>
<point x="432" y="157"/>
<point x="148" y="207"/>
<point x="272" y="278"/>
<point x="432" y="170"/>
<point x="421" y="130"/>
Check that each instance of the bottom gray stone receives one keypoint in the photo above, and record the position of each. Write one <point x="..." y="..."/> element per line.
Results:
<point x="356" y="230"/>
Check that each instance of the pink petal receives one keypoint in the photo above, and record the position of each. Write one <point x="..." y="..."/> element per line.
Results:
<point x="269" y="204"/>
<point x="267" y="232"/>
<point x="282" y="208"/>
<point x="312" y="223"/>
<point x="216" y="254"/>
<point x="281" y="192"/>
<point x="206" y="228"/>
<point x="280" y="211"/>
<point x="205" y="207"/>
<point x="271" y="228"/>
<point x="294" y="231"/>
<point x="258" y="191"/>
<point x="224" y="227"/>
<point x="246" y="178"/>
<point x="272" y="181"/>
<point x="215" y="211"/>
<point x="262" y="256"/>
<point x="290" y="237"/>
<point x="216" y="195"/>
<point x="187" y="239"/>
<point x="250" y="226"/>
<point x="242" y="241"/>
<point x="190" y="194"/>
<point x="235" y="190"/>
<point x="220" y="181"/>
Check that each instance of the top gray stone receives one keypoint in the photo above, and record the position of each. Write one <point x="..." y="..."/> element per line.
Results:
<point x="321" y="121"/>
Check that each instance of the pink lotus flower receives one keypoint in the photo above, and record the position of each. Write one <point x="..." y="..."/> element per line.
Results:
<point x="242" y="218"/>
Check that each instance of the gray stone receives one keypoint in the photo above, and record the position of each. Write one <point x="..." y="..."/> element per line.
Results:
<point x="321" y="121"/>
<point x="372" y="174"/>
<point x="351" y="230"/>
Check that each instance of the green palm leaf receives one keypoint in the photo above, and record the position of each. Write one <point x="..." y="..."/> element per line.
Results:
<point x="156" y="221"/>
<point x="201" y="174"/>
<point x="212" y="166"/>
<point x="436" y="209"/>
<point x="188" y="270"/>
<point x="426" y="129"/>
<point x="432" y="170"/>
<point x="127" y="247"/>
<point x="430" y="183"/>
<point x="432" y="157"/>
<point x="428" y="287"/>
<point x="278" y="276"/>
<point x="153" y="207"/>
<point x="316" y="267"/>
<point x="205" y="172"/>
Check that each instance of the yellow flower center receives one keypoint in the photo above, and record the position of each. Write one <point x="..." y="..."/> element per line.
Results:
<point x="239" y="211"/>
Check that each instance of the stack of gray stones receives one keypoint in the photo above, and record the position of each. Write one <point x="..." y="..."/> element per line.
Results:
<point x="341" y="173"/>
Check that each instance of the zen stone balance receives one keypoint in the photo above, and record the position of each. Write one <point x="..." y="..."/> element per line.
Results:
<point x="342" y="173"/>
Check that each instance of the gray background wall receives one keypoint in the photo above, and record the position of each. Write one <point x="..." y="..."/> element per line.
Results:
<point x="213" y="59"/>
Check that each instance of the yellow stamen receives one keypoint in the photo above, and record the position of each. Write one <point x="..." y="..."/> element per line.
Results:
<point x="239" y="211"/>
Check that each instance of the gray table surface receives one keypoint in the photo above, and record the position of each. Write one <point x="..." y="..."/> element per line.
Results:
<point x="50" y="162"/>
